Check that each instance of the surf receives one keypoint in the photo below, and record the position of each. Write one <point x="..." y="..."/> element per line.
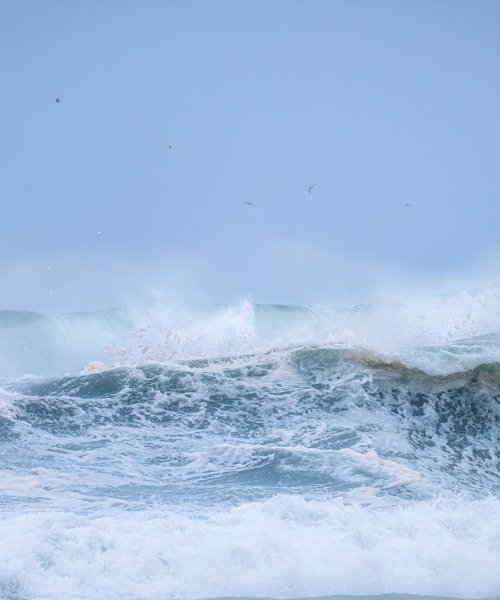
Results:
<point x="252" y="450"/>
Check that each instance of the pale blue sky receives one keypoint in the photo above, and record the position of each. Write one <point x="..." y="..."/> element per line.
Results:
<point x="380" y="103"/>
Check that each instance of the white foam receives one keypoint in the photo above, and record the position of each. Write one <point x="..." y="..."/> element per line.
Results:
<point x="285" y="547"/>
<point x="399" y="474"/>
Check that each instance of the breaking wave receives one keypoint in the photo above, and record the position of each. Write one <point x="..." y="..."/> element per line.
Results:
<point x="252" y="450"/>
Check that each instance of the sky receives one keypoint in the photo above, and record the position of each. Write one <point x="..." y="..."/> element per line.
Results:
<point x="173" y="115"/>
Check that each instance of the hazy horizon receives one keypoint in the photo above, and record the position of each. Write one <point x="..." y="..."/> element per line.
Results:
<point x="174" y="115"/>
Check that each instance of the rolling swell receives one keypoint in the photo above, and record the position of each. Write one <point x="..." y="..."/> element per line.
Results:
<point x="326" y="418"/>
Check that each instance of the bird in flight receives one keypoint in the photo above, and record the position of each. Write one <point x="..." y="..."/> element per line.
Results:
<point x="248" y="203"/>
<point x="408" y="205"/>
<point x="311" y="187"/>
<point x="170" y="147"/>
<point x="58" y="100"/>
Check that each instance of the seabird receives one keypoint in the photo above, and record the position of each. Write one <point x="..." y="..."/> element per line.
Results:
<point x="248" y="203"/>
<point x="170" y="147"/>
<point x="311" y="187"/>
<point x="407" y="205"/>
<point x="58" y="100"/>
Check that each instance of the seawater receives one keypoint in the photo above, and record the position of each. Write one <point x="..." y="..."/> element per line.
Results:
<point x="252" y="451"/>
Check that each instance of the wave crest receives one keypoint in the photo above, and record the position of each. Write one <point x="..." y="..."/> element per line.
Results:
<point x="437" y="335"/>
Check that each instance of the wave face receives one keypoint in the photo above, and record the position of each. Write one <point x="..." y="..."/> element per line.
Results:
<point x="252" y="451"/>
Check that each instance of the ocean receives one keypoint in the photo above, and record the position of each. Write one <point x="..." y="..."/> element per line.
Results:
<point x="252" y="451"/>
